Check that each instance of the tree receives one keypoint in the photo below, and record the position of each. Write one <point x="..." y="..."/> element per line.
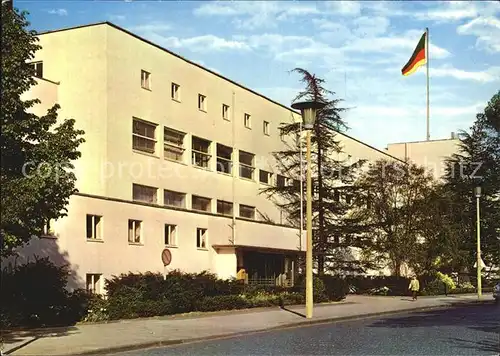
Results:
<point x="36" y="152"/>
<point x="476" y="164"/>
<point x="391" y="198"/>
<point x="331" y="177"/>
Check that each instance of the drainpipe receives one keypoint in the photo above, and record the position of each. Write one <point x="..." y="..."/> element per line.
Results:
<point x="233" y="170"/>
<point x="301" y="188"/>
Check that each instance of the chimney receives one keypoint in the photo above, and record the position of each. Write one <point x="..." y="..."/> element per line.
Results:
<point x="453" y="136"/>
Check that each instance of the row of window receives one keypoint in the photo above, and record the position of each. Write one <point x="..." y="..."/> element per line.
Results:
<point x="148" y="194"/>
<point x="95" y="232"/>
<point x="175" y="94"/>
<point x="144" y="139"/>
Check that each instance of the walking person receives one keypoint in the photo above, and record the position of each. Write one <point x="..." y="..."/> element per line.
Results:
<point x="414" y="287"/>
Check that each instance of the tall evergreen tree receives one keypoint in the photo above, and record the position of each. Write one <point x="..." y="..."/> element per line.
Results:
<point x="476" y="164"/>
<point x="36" y="152"/>
<point x="331" y="176"/>
<point x="391" y="199"/>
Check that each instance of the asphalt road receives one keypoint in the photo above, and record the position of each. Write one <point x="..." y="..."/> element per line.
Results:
<point x="465" y="330"/>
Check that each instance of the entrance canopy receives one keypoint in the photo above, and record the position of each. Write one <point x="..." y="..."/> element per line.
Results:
<point x="259" y="249"/>
<point x="264" y="265"/>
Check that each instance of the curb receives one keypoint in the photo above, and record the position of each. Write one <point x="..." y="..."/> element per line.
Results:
<point x="305" y="323"/>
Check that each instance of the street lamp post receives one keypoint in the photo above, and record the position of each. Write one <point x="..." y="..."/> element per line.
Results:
<point x="477" y="193"/>
<point x="308" y="111"/>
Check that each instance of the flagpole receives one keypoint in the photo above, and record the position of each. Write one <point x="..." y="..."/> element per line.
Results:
<point x="427" y="62"/>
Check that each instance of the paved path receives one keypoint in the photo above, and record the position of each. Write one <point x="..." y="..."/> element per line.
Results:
<point x="139" y="333"/>
<point x="465" y="330"/>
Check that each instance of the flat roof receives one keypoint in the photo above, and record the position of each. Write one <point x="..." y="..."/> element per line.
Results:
<point x="424" y="141"/>
<point x="203" y="68"/>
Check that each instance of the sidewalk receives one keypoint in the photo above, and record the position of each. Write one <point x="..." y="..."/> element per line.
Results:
<point x="149" y="332"/>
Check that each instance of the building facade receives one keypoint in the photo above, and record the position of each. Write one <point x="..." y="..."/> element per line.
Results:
<point x="430" y="154"/>
<point x="175" y="158"/>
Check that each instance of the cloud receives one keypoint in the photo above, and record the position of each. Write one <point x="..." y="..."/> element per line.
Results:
<point x="59" y="12"/>
<point x="450" y="11"/>
<point x="490" y="75"/>
<point x="487" y="31"/>
<point x="343" y="8"/>
<point x="152" y="27"/>
<point x="385" y="8"/>
<point x="204" y="43"/>
<point x="406" y="42"/>
<point x="251" y="15"/>
<point x="372" y="26"/>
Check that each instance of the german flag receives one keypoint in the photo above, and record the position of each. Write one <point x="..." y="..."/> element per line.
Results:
<point x="418" y="58"/>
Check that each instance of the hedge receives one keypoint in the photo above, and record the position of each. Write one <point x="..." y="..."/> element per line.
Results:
<point x="150" y="294"/>
<point x="35" y="295"/>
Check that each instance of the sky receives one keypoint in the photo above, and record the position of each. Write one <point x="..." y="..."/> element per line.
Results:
<point x="357" y="47"/>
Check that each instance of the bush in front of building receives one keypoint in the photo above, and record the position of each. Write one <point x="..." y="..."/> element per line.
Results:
<point x="223" y="302"/>
<point x="34" y="295"/>
<point x="386" y="285"/>
<point x="335" y="288"/>
<point x="152" y="294"/>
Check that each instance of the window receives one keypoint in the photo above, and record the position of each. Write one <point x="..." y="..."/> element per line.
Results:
<point x="171" y="198"/>
<point x="265" y="177"/>
<point x="201" y="203"/>
<point x="282" y="135"/>
<point x="94" y="283"/>
<point x="224" y="207"/>
<point x="201" y="238"/>
<point x="170" y="235"/>
<point x="247" y="121"/>
<point x="38" y="69"/>
<point x="145" y="80"/>
<point x="265" y="128"/>
<point x="247" y="211"/>
<point x="144" y="193"/>
<point x="280" y="180"/>
<point x="202" y="102"/>
<point x="94" y="227"/>
<point x="173" y="144"/>
<point x="200" y="152"/>
<point x="134" y="231"/>
<point x="246" y="165"/>
<point x="348" y="199"/>
<point x="224" y="159"/>
<point x="336" y="196"/>
<point x="225" y="112"/>
<point x="143" y="136"/>
<point x="176" y="92"/>
<point x="48" y="229"/>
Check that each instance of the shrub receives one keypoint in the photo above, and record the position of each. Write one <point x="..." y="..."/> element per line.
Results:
<point x="319" y="290"/>
<point x="35" y="295"/>
<point x="436" y="287"/>
<point x="97" y="309"/>
<point x="292" y="298"/>
<point x="450" y="284"/>
<point x="222" y="302"/>
<point x="335" y="288"/>
<point x="382" y="285"/>
<point x="466" y="286"/>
